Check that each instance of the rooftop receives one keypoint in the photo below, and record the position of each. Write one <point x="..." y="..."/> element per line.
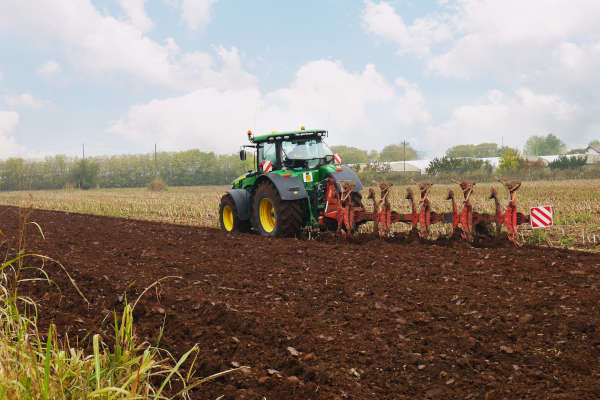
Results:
<point x="594" y="147"/>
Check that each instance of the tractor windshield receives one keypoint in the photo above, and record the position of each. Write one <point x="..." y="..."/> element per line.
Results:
<point x="310" y="151"/>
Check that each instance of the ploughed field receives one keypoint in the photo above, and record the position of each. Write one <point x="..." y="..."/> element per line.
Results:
<point x="327" y="319"/>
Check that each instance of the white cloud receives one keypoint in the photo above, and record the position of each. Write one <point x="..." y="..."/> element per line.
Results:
<point x="95" y="42"/>
<point x="137" y="14"/>
<point x="196" y="13"/>
<point x="209" y="119"/>
<point x="550" y="47"/>
<point x="381" y="19"/>
<point x="98" y="43"/>
<point x="512" y="39"/>
<point x="23" y="100"/>
<point x="49" y="69"/>
<point x="199" y="70"/>
<point x="511" y="118"/>
<point x="8" y="146"/>
<point x="358" y="108"/>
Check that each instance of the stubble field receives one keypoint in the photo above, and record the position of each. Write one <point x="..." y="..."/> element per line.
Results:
<point x="576" y="205"/>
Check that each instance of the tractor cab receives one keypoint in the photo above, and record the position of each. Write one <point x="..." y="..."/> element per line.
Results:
<point x="297" y="150"/>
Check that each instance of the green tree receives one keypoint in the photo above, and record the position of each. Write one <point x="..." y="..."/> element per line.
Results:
<point x="11" y="174"/>
<point x="510" y="161"/>
<point x="481" y="150"/>
<point x="373" y="155"/>
<point x="544" y="145"/>
<point x="351" y="155"/>
<point x="85" y="174"/>
<point x="449" y="165"/>
<point x="564" y="162"/>
<point x="594" y="143"/>
<point x="396" y="152"/>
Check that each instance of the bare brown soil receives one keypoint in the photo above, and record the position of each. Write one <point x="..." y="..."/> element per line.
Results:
<point x="327" y="319"/>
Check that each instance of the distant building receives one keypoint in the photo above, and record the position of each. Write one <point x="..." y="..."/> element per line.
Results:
<point x="412" y="167"/>
<point x="406" y="166"/>
<point x="593" y="154"/>
<point x="593" y="149"/>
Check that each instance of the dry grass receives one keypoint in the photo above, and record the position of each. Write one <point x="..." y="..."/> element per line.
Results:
<point x="179" y="205"/>
<point x="157" y="185"/>
<point x="576" y="206"/>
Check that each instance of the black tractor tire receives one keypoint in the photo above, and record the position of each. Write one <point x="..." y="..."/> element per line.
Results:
<point x="234" y="224"/>
<point x="287" y="214"/>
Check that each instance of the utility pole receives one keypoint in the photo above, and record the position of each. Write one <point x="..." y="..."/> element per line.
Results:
<point x="82" y="175"/>
<point x="155" y="168"/>
<point x="404" y="155"/>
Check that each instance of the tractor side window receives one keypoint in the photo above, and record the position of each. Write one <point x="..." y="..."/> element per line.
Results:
<point x="267" y="152"/>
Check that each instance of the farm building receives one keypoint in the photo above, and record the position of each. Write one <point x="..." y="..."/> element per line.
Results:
<point x="412" y="167"/>
<point x="593" y="153"/>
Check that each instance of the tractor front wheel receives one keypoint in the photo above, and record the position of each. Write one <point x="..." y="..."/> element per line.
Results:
<point x="273" y="216"/>
<point x="229" y="217"/>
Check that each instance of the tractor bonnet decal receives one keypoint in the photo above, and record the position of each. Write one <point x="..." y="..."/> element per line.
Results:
<point x="267" y="166"/>
<point x="338" y="158"/>
<point x="307" y="176"/>
<point x="541" y="217"/>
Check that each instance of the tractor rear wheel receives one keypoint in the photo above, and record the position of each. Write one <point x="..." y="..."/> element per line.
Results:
<point x="273" y="216"/>
<point x="229" y="217"/>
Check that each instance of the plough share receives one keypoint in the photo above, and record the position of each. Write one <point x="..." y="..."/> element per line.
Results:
<point x="347" y="210"/>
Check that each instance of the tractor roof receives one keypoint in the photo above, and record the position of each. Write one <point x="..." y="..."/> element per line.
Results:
<point x="282" y="135"/>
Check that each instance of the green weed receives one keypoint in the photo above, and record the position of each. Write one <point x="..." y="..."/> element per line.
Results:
<point x="538" y="237"/>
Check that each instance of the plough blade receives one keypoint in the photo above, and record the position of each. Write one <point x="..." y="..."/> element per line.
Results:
<point x="348" y="211"/>
<point x="510" y="217"/>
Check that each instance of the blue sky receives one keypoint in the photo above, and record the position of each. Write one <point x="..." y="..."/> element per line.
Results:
<point x="121" y="75"/>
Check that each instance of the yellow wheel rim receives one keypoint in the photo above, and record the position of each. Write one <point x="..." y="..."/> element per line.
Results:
<point x="267" y="215"/>
<point x="227" y="218"/>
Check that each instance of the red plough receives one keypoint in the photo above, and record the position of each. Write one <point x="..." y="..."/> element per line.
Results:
<point x="345" y="207"/>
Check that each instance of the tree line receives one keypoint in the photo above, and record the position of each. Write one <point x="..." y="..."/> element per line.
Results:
<point x="186" y="168"/>
<point x="194" y="167"/>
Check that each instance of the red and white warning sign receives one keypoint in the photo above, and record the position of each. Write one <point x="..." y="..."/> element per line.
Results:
<point x="338" y="158"/>
<point x="267" y="166"/>
<point x="540" y="217"/>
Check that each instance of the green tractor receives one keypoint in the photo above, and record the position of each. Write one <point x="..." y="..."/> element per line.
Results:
<point x="296" y="184"/>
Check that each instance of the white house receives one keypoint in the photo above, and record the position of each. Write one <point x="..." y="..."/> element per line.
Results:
<point x="593" y="154"/>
